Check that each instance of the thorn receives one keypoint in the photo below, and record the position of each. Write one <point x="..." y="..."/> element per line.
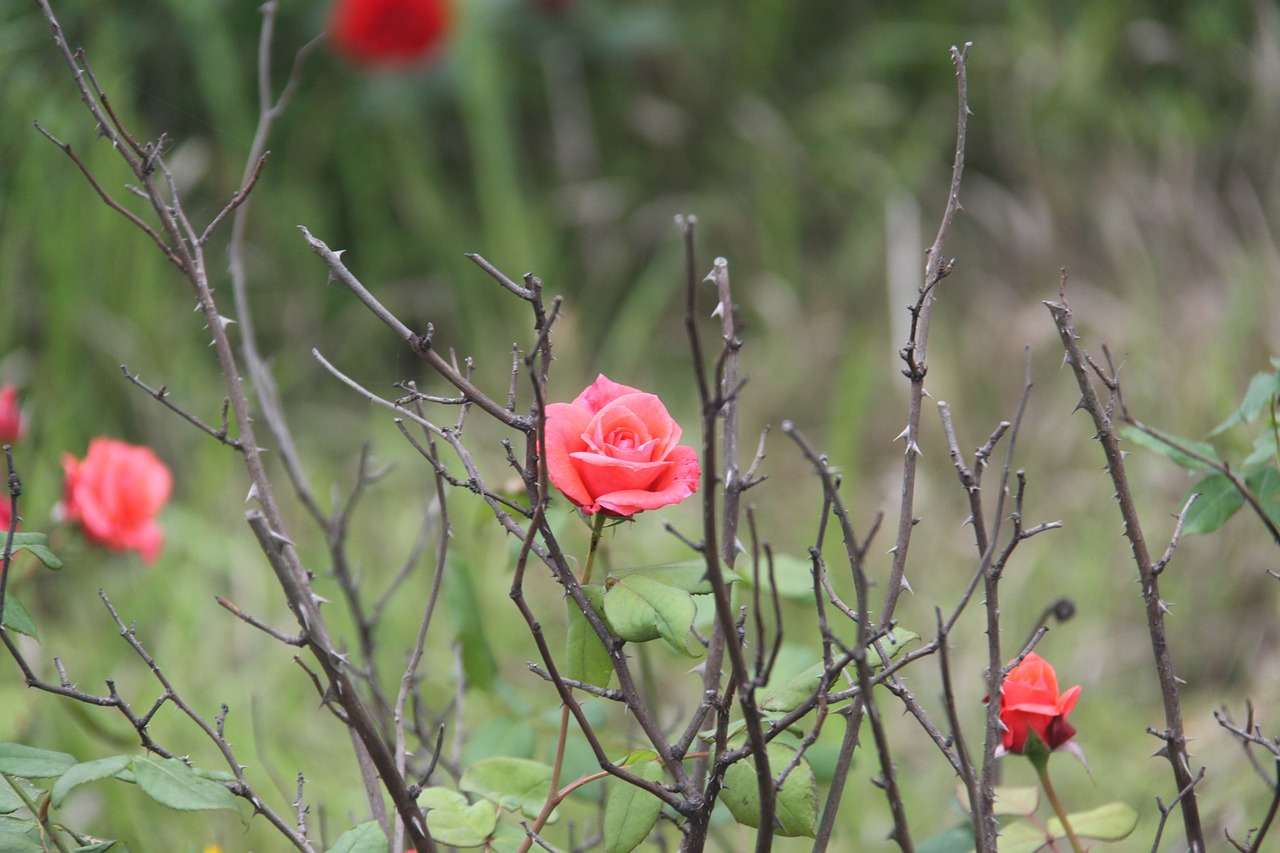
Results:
<point x="280" y="538"/>
<point x="904" y="433"/>
<point x="1079" y="405"/>
<point x="253" y="493"/>
<point x="719" y="312"/>
<point x="967" y="521"/>
<point x="225" y="321"/>
<point x="905" y="586"/>
<point x="320" y="599"/>
<point x="1164" y="606"/>
<point x="912" y="447"/>
<point x="925" y="392"/>
<point x="1066" y="359"/>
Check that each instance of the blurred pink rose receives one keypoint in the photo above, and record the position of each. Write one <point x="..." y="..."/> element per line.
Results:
<point x="388" y="33"/>
<point x="615" y="449"/>
<point x="12" y="423"/>
<point x="115" y="493"/>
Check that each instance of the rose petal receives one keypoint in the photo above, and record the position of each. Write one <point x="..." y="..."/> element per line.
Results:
<point x="600" y="393"/>
<point x="565" y="425"/>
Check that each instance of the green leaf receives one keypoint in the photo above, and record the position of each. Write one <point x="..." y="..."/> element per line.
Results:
<point x="630" y="812"/>
<point x="1218" y="501"/>
<point x="15" y="840"/>
<point x="1112" y="822"/>
<point x="16" y="617"/>
<point x="1150" y="442"/>
<point x="792" y="576"/>
<point x="88" y="771"/>
<point x="640" y="609"/>
<point x="1257" y="399"/>
<point x="1265" y="485"/>
<point x="365" y="838"/>
<point x="506" y="839"/>
<point x="689" y="575"/>
<point x="170" y="782"/>
<point x="1021" y="836"/>
<point x="586" y="658"/>
<point x="893" y="644"/>
<point x="797" y="689"/>
<point x="1264" y="450"/>
<point x="1009" y="800"/>
<point x="796" y="803"/>
<point x="499" y="736"/>
<point x="958" y="839"/>
<point x="38" y="545"/>
<point x="1021" y="801"/>
<point x="455" y="822"/>
<point x="478" y="660"/>
<point x="31" y="763"/>
<point x="513" y="783"/>
<point x="794" y="691"/>
<point x="9" y="801"/>
<point x="99" y="847"/>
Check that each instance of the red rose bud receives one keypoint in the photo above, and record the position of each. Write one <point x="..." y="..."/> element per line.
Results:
<point x="616" y="450"/>
<point x="115" y="493"/>
<point x="387" y="33"/>
<point x="12" y="422"/>
<point x="1029" y="702"/>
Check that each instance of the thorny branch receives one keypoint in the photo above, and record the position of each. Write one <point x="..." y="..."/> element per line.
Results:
<point x="183" y="246"/>
<point x="1099" y="410"/>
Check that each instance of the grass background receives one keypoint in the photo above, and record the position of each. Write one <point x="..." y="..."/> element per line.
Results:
<point x="1132" y="143"/>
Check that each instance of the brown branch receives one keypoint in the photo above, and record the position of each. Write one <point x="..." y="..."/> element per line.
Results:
<point x="1174" y="736"/>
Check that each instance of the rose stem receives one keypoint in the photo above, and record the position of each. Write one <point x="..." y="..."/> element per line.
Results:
<point x="596" y="530"/>
<point x="1042" y="768"/>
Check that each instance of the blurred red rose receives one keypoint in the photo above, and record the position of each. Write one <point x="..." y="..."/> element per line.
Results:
<point x="387" y="33"/>
<point x="1029" y="701"/>
<point x="615" y="449"/>
<point x="12" y="423"/>
<point x="114" y="493"/>
<point x="6" y="516"/>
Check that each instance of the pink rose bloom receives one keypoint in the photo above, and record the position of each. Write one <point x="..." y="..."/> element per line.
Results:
<point x="115" y="493"/>
<point x="12" y="423"/>
<point x="616" y="450"/>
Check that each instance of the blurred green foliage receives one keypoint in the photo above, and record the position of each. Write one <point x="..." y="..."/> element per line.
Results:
<point x="1132" y="142"/>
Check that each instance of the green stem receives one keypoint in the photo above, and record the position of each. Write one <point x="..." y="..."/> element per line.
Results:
<point x="554" y="795"/>
<point x="596" y="529"/>
<point x="1042" y="768"/>
<point x="45" y="826"/>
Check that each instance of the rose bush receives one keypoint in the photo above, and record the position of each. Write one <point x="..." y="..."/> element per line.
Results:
<point x="616" y="450"/>
<point x="387" y="33"/>
<point x="114" y="494"/>
<point x="1029" y="702"/>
